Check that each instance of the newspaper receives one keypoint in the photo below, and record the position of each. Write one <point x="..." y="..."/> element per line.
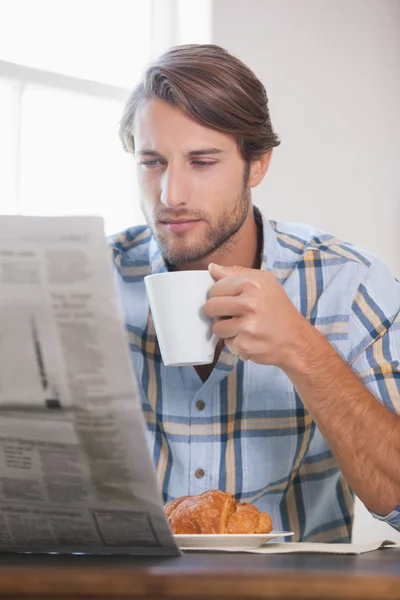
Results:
<point x="76" y="474"/>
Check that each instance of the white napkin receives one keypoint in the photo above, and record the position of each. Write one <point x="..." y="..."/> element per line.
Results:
<point x="277" y="548"/>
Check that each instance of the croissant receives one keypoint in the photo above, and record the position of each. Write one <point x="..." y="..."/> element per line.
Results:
<point x="215" y="512"/>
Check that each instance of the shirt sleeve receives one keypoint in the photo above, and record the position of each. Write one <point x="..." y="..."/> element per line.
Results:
<point x="374" y="344"/>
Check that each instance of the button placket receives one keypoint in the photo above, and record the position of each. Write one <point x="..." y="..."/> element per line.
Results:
<point x="200" y="450"/>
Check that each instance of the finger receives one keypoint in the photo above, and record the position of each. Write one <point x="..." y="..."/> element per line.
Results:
<point x="223" y="306"/>
<point x="219" y="272"/>
<point x="227" y="328"/>
<point x="230" y="344"/>
<point x="230" y="286"/>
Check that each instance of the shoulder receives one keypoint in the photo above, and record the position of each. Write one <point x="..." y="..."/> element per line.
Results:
<point x="322" y="263"/>
<point x="131" y="246"/>
<point x="298" y="241"/>
<point x="126" y="241"/>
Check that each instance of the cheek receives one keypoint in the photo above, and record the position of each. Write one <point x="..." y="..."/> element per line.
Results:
<point x="148" y="187"/>
<point x="224" y="196"/>
<point x="145" y="179"/>
<point x="216" y="187"/>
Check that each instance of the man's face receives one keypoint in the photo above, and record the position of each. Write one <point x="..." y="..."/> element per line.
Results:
<point x="193" y="183"/>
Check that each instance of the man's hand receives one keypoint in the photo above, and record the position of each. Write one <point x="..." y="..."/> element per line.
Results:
<point x="265" y="326"/>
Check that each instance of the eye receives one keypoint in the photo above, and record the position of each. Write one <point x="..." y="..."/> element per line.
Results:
<point x="202" y="164"/>
<point x="150" y="163"/>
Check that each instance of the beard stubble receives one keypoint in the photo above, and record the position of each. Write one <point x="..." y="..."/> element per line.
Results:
<point x="220" y="236"/>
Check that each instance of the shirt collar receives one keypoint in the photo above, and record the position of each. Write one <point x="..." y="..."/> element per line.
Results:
<point x="268" y="250"/>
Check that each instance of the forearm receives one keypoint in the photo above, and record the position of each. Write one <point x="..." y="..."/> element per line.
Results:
<point x="363" y="435"/>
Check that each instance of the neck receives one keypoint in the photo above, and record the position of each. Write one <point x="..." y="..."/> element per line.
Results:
<point x="243" y="250"/>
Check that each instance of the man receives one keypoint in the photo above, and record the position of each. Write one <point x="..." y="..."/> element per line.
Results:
<point x="301" y="404"/>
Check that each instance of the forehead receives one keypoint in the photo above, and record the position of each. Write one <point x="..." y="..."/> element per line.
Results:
<point x="159" y="125"/>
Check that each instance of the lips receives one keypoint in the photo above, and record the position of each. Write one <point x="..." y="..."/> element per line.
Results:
<point x="180" y="224"/>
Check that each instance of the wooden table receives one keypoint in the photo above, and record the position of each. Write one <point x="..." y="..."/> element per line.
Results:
<point x="200" y="576"/>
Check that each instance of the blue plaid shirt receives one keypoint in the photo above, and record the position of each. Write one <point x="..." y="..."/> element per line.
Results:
<point x="251" y="434"/>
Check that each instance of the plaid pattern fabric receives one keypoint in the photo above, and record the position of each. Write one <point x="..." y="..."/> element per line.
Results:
<point x="253" y="437"/>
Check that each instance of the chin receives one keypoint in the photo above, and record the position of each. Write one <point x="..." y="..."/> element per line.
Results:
<point x="181" y="244"/>
<point x="183" y="255"/>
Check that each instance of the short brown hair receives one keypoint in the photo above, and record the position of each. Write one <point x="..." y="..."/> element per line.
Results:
<point x="214" y="88"/>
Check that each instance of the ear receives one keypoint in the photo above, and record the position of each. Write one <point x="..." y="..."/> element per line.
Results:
<point x="258" y="169"/>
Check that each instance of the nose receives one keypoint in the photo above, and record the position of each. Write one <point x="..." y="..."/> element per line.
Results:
<point x="174" y="190"/>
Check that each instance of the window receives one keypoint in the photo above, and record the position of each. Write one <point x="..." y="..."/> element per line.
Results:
<point x="101" y="40"/>
<point x="9" y="95"/>
<point x="66" y="70"/>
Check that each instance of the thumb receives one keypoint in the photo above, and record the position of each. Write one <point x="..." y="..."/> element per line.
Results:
<point x="219" y="272"/>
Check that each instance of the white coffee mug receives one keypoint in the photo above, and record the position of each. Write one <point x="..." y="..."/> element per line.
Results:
<point x="184" y="331"/>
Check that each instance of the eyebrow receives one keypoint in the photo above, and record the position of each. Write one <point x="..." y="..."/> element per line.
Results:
<point x="146" y="152"/>
<point x="200" y="152"/>
<point x="203" y="151"/>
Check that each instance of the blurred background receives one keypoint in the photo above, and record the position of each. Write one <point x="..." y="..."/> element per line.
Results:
<point x="331" y="69"/>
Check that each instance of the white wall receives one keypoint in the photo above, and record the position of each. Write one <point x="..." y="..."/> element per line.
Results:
<point x="331" y="69"/>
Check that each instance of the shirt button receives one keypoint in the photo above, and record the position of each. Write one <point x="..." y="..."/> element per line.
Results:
<point x="199" y="473"/>
<point x="200" y="405"/>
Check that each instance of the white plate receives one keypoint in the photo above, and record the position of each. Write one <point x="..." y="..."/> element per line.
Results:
<point x="228" y="540"/>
